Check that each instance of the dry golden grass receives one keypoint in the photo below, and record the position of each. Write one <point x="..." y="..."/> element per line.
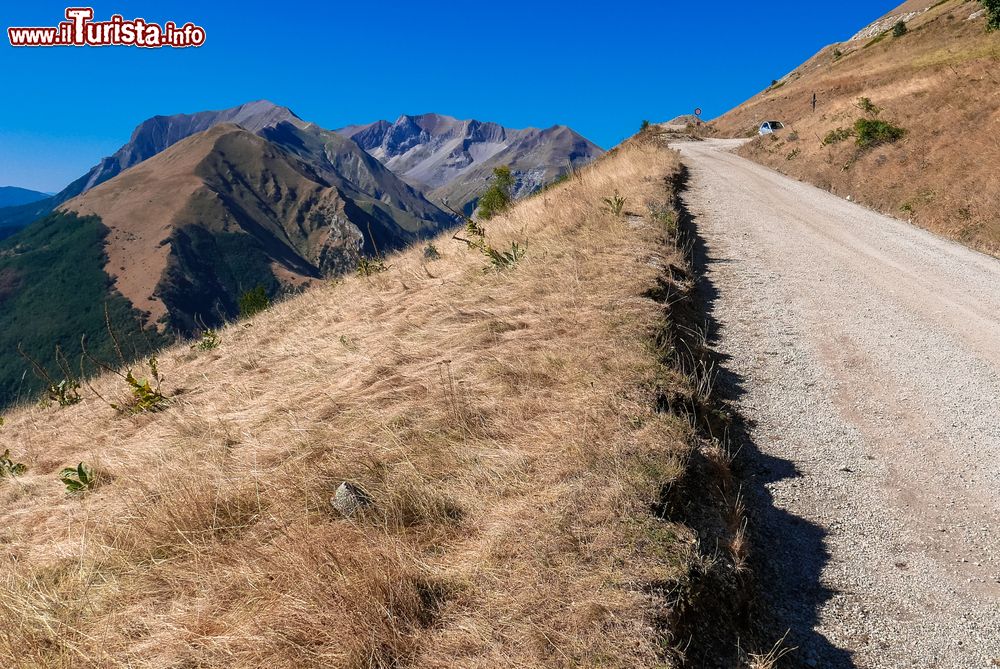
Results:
<point x="940" y="82"/>
<point x="504" y="425"/>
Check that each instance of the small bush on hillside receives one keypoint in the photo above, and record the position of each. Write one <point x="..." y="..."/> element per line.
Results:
<point x="874" y="132"/>
<point x="145" y="394"/>
<point x="431" y="252"/>
<point x="992" y="8"/>
<point x="615" y="203"/>
<point x="79" y="479"/>
<point x="253" y="302"/>
<point x="837" y="136"/>
<point x="645" y="126"/>
<point x="500" y="195"/>
<point x="9" y="468"/>
<point x="371" y="266"/>
<point x="142" y="396"/>
<point x="499" y="260"/>
<point x="209" y="340"/>
<point x="837" y="54"/>
<point x="899" y="29"/>
<point x="868" y="107"/>
<point x="66" y="391"/>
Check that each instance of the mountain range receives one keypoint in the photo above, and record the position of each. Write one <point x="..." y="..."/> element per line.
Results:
<point x="450" y="159"/>
<point x="198" y="209"/>
<point x="12" y="196"/>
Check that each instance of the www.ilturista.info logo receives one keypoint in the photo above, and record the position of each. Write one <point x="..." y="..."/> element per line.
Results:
<point x="79" y="29"/>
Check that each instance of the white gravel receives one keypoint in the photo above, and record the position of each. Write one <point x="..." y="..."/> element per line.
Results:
<point x="865" y="354"/>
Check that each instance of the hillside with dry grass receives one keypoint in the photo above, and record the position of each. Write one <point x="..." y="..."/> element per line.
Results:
<point x="529" y="480"/>
<point x="939" y="83"/>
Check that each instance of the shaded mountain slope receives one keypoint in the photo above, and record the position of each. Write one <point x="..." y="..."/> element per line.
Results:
<point x="226" y="210"/>
<point x="53" y="290"/>
<point x="940" y="83"/>
<point x="448" y="157"/>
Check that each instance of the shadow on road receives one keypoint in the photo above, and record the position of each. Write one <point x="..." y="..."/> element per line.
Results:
<point x="788" y="552"/>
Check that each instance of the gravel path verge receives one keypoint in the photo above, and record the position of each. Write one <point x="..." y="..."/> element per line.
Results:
<point x="864" y="354"/>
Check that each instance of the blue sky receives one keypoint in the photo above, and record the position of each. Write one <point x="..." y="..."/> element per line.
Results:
<point x="599" y="67"/>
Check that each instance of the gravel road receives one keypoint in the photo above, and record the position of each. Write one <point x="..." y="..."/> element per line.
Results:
<point x="864" y="354"/>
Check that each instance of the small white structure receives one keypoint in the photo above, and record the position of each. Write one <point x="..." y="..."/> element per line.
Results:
<point x="769" y="127"/>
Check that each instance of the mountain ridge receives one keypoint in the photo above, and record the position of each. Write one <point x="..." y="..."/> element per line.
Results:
<point x="452" y="158"/>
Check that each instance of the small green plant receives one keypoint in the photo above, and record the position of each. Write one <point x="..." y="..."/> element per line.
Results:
<point x="794" y="154"/>
<point x="837" y="136"/>
<point x="431" y="252"/>
<point x="868" y="107"/>
<point x="253" y="302"/>
<point x="837" y="54"/>
<point x="775" y="84"/>
<point x="348" y="343"/>
<point x="644" y="126"/>
<point x="65" y="392"/>
<point x="209" y="341"/>
<point x="145" y="394"/>
<point x="78" y="479"/>
<point x="370" y="266"/>
<point x="899" y="29"/>
<point x="992" y="8"/>
<point x="9" y="468"/>
<point x="615" y="203"/>
<point x="499" y="196"/>
<point x="501" y="260"/>
<point x="870" y="133"/>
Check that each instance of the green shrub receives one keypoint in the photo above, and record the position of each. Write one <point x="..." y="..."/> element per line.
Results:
<point x="371" y="266"/>
<point x="79" y="479"/>
<point x="431" y="252"/>
<point x="209" y="340"/>
<point x="868" y="107"/>
<point x="837" y="54"/>
<point x="501" y="260"/>
<point x="874" y="132"/>
<point x="145" y="394"/>
<point x="615" y="203"/>
<point x="899" y="29"/>
<point x="837" y="136"/>
<point x="253" y="302"/>
<point x="500" y="195"/>
<point x="65" y="392"/>
<point x="10" y="468"/>
<point x="992" y="8"/>
<point x="644" y="126"/>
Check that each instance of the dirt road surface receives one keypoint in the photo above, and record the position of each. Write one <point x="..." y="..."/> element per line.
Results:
<point x="864" y="354"/>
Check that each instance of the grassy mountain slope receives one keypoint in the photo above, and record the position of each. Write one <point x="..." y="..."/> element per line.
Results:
<point x="940" y="82"/>
<point x="513" y="432"/>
